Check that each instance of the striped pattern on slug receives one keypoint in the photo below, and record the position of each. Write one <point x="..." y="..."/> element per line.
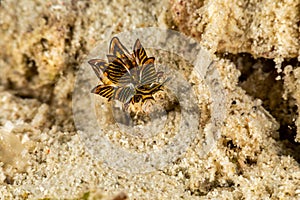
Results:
<point x="129" y="78"/>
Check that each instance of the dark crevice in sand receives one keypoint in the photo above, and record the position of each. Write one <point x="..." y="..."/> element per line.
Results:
<point x="258" y="79"/>
<point x="31" y="67"/>
<point x="42" y="94"/>
<point x="209" y="186"/>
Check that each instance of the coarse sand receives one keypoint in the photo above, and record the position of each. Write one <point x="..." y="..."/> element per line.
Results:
<point x="256" y="51"/>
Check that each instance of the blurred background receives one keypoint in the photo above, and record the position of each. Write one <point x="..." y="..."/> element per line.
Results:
<point x="257" y="46"/>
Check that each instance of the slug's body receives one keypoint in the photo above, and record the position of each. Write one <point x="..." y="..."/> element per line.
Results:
<point x="129" y="78"/>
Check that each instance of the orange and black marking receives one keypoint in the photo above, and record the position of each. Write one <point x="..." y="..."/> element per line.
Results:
<point x="129" y="78"/>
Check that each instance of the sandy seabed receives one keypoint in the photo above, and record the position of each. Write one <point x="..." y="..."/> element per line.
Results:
<point x="256" y="46"/>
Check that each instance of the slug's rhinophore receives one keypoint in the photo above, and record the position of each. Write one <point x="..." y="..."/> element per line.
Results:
<point x="129" y="78"/>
